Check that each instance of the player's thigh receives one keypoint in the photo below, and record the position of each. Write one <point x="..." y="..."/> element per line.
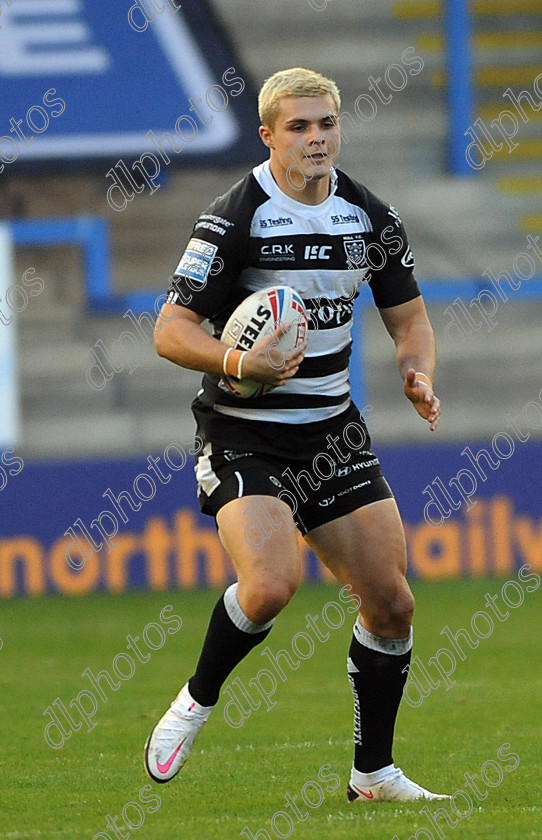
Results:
<point x="259" y="535"/>
<point x="366" y="550"/>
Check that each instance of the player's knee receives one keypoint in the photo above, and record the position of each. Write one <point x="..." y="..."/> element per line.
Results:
<point x="404" y="609"/>
<point x="268" y="598"/>
<point x="395" y="612"/>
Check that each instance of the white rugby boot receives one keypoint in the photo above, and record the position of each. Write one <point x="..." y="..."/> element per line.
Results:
<point x="394" y="787"/>
<point x="169" y="744"/>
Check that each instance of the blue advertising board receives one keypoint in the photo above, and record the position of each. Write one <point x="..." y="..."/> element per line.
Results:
<point x="80" y="527"/>
<point x="90" y="79"/>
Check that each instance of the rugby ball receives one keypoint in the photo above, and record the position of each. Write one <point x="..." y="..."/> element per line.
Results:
<point x="256" y="317"/>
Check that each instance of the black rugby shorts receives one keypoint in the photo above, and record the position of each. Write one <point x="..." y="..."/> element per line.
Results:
<point x="318" y="489"/>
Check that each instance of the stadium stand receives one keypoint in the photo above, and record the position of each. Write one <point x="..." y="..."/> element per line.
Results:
<point x="458" y="228"/>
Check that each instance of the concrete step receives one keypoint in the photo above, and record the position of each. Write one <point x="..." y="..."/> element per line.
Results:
<point x="497" y="77"/>
<point x="104" y="434"/>
<point x="493" y="109"/>
<point x="434" y="9"/>
<point x="285" y="19"/>
<point x="526" y="185"/>
<point x="531" y="223"/>
<point x="499" y="39"/>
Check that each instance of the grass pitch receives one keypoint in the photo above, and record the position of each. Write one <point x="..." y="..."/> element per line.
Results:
<point x="236" y="780"/>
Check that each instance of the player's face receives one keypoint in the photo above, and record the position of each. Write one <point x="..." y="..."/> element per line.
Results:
<point x="305" y="133"/>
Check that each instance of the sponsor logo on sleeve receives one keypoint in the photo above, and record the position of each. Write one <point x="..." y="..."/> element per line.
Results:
<point x="395" y="216"/>
<point x="215" y="223"/>
<point x="197" y="260"/>
<point x="408" y="259"/>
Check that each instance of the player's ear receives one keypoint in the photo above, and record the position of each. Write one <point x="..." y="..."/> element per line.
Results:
<point x="267" y="136"/>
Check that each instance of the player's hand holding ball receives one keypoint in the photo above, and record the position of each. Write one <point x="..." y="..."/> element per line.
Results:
<point x="419" y="390"/>
<point x="266" y="340"/>
<point x="273" y="361"/>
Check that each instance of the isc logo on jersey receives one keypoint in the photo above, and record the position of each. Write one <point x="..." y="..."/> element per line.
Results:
<point x="317" y="252"/>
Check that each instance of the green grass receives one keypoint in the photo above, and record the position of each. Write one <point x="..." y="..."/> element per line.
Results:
<point x="239" y="777"/>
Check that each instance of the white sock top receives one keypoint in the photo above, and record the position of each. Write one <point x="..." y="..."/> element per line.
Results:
<point x="378" y="643"/>
<point x="235" y="612"/>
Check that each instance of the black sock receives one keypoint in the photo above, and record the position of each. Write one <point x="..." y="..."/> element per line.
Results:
<point x="375" y="672"/>
<point x="225" y="645"/>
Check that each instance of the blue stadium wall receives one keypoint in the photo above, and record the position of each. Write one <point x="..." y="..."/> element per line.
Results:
<point x="164" y="542"/>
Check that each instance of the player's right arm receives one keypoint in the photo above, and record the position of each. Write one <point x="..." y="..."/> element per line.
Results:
<point x="180" y="338"/>
<point x="205" y="285"/>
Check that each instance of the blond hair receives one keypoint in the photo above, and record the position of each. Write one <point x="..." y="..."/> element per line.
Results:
<point x="297" y="81"/>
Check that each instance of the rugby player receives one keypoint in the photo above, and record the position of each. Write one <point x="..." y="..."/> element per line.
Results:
<point x="297" y="220"/>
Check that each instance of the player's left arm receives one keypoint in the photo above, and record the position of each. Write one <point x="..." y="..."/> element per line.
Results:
<point x="415" y="352"/>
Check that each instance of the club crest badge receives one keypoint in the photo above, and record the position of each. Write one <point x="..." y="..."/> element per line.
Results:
<point x="355" y="251"/>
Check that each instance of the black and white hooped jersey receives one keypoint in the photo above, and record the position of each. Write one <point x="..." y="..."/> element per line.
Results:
<point x="255" y="237"/>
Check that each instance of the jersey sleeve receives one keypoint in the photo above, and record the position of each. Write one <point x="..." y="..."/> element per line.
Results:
<point x="214" y="257"/>
<point x="392" y="265"/>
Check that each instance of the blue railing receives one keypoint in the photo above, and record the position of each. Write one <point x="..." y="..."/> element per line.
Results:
<point x="90" y="233"/>
<point x="460" y="92"/>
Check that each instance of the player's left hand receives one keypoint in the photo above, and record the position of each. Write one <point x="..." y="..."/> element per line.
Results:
<point x="422" y="397"/>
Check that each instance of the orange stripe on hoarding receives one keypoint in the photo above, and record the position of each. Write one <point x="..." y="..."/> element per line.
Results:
<point x="193" y="541"/>
<point x="501" y="526"/>
<point x="489" y="539"/>
<point x="435" y="554"/>
<point x="116" y="562"/>
<point x="158" y="544"/>
<point x="65" y="579"/>
<point x="529" y="539"/>
<point x="26" y="553"/>
<point x="476" y="538"/>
